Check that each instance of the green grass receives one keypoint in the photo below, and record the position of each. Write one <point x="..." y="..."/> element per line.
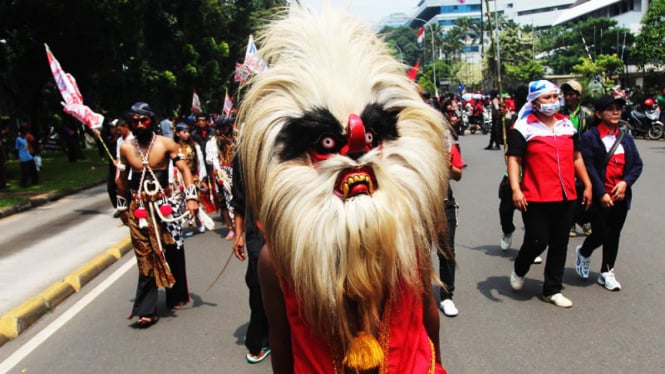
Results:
<point x="57" y="174"/>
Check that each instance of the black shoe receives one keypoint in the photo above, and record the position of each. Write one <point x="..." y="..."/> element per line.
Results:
<point x="497" y="147"/>
<point x="487" y="148"/>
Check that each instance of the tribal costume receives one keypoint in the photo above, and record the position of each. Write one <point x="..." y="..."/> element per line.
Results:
<point x="157" y="239"/>
<point x="346" y="169"/>
<point x="220" y="156"/>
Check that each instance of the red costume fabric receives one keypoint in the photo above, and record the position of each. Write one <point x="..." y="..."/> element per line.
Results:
<point x="406" y="345"/>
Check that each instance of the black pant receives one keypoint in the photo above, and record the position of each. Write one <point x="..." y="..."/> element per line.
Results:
<point x="29" y="172"/>
<point x="257" y="336"/>
<point x="506" y="206"/>
<point x="546" y="224"/>
<point x="111" y="187"/>
<point x="145" y="303"/>
<point x="179" y="293"/>
<point x="495" y="135"/>
<point x="447" y="265"/>
<point x="582" y="216"/>
<point x="607" y="224"/>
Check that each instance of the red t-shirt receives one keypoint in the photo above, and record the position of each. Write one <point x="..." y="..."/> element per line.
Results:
<point x="548" y="169"/>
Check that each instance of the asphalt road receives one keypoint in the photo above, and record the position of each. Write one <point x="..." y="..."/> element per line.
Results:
<point x="497" y="330"/>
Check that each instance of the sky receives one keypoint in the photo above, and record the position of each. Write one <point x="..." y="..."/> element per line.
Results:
<point x="370" y="10"/>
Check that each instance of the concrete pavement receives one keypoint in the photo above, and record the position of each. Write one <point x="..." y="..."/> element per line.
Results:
<point x="43" y="257"/>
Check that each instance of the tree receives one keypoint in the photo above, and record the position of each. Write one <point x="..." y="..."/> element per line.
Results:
<point x="604" y="66"/>
<point x="650" y="43"/>
<point x="463" y="36"/>
<point x="123" y="51"/>
<point x="562" y="47"/>
<point x="403" y="44"/>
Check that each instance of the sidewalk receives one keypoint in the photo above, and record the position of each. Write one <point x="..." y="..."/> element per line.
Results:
<point x="58" y="243"/>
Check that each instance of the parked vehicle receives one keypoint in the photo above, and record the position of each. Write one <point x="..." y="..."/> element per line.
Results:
<point x="643" y="121"/>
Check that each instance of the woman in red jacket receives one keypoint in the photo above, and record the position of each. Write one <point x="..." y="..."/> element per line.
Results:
<point x="542" y="144"/>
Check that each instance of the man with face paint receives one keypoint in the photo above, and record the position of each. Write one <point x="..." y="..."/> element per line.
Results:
<point x="543" y="144"/>
<point x="147" y="208"/>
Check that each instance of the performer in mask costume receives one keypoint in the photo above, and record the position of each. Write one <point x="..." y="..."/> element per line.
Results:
<point x="153" y="217"/>
<point x="346" y="172"/>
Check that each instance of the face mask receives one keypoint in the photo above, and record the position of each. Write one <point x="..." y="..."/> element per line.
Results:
<point x="549" y="109"/>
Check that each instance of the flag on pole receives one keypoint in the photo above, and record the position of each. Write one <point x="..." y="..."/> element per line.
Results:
<point x="253" y="61"/>
<point x="413" y="72"/>
<point x="196" y="103"/>
<point x="73" y="100"/>
<point x="241" y="74"/>
<point x="228" y="105"/>
<point x="421" y="34"/>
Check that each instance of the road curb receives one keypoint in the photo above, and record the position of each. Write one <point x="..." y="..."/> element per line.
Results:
<point x="42" y="199"/>
<point x="17" y="320"/>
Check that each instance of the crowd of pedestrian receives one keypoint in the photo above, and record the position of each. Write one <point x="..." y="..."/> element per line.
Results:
<point x="565" y="164"/>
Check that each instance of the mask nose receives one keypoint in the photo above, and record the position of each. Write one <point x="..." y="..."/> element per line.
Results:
<point x="356" y="141"/>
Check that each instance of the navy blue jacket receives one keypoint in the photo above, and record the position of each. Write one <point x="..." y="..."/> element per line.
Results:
<point x="594" y="154"/>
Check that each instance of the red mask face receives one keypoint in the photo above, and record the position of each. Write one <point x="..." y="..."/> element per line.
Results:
<point x="318" y="135"/>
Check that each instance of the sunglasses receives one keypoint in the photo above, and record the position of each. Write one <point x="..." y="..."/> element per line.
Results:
<point x="138" y="120"/>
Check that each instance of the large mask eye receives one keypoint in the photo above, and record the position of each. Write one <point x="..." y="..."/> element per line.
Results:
<point x="369" y="138"/>
<point x="328" y="143"/>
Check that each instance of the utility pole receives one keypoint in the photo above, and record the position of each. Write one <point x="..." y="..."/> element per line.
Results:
<point x="425" y="23"/>
<point x="495" y="43"/>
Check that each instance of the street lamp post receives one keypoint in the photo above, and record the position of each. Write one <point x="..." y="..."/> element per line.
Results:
<point x="436" y="90"/>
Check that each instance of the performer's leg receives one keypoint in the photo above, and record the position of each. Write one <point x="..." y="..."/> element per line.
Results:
<point x="145" y="303"/>
<point x="257" y="336"/>
<point x="178" y="295"/>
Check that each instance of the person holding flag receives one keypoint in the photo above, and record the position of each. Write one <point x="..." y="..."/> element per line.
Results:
<point x="149" y="208"/>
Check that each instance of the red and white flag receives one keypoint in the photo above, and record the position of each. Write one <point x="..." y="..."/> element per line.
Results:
<point x="421" y="34"/>
<point x="241" y="74"/>
<point x="253" y="61"/>
<point x="73" y="100"/>
<point x="228" y="105"/>
<point x="196" y="103"/>
<point x="413" y="72"/>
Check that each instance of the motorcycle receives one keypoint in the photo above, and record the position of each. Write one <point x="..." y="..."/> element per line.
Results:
<point x="487" y="120"/>
<point x="644" y="121"/>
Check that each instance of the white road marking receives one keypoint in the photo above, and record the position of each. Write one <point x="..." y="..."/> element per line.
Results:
<point x="70" y="313"/>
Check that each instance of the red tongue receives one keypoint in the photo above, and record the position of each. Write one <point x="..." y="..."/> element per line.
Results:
<point x="358" y="189"/>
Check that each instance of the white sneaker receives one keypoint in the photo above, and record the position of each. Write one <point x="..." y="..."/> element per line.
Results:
<point x="506" y="241"/>
<point x="608" y="280"/>
<point x="449" y="308"/>
<point x="559" y="300"/>
<point x="538" y="260"/>
<point x="582" y="264"/>
<point x="516" y="282"/>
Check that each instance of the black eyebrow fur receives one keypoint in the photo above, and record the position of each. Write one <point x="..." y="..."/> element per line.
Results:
<point x="300" y="133"/>
<point x="382" y="122"/>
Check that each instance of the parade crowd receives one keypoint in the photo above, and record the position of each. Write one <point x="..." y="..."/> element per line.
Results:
<point x="566" y="165"/>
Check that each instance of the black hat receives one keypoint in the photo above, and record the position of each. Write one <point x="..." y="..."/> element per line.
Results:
<point x="224" y="121"/>
<point x="142" y="108"/>
<point x="606" y="100"/>
<point x="181" y="126"/>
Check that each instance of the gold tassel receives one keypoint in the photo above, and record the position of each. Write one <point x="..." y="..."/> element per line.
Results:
<point x="364" y="353"/>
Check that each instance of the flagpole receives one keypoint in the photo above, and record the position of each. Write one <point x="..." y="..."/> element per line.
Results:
<point x="436" y="90"/>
